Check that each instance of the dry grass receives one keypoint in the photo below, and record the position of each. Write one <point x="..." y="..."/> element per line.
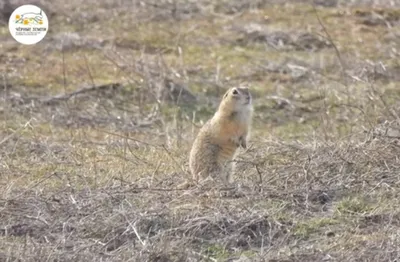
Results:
<point x="97" y="121"/>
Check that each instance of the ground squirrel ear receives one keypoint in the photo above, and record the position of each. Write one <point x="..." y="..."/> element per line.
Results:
<point x="226" y="94"/>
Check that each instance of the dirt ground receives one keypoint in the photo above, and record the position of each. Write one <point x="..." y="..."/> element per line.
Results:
<point x="96" y="122"/>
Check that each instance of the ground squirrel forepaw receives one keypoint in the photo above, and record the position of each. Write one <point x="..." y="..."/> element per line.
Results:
<point x="243" y="142"/>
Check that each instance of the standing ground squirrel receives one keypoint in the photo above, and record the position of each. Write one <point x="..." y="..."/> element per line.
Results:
<point x="216" y="144"/>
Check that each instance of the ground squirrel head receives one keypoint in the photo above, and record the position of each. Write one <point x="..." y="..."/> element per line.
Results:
<point x="235" y="100"/>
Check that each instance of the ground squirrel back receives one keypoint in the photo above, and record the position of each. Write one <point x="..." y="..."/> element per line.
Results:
<point x="216" y="144"/>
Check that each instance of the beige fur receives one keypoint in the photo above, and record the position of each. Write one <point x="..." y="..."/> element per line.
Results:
<point x="218" y="140"/>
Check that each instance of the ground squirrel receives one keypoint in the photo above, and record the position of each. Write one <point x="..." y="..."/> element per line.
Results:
<point x="217" y="142"/>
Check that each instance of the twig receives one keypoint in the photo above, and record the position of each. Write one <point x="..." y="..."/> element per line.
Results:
<point x="5" y="96"/>
<point x="63" y="67"/>
<point x="154" y="189"/>
<point x="33" y="185"/>
<point x="259" y="174"/>
<point x="15" y="132"/>
<point x="129" y="138"/>
<point x="217" y="76"/>
<point x="88" y="70"/>
<point x="133" y="226"/>
<point x="136" y="233"/>
<point x="134" y="69"/>
<point x="173" y="159"/>
<point x="281" y="99"/>
<point x="67" y="96"/>
<point x="38" y="218"/>
<point x="329" y="39"/>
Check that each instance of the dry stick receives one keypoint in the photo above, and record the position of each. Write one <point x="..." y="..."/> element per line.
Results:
<point x="193" y="123"/>
<point x="331" y="41"/>
<point x="135" y="156"/>
<point x="281" y="99"/>
<point x="38" y="218"/>
<point x="385" y="104"/>
<point x="154" y="172"/>
<point x="129" y="138"/>
<point x="133" y="226"/>
<point x="178" y="126"/>
<point x="343" y="73"/>
<point x="15" y="132"/>
<point x="5" y="98"/>
<point x="136" y="232"/>
<point x="381" y="98"/>
<point x="259" y="176"/>
<point x="121" y="67"/>
<point x="34" y="185"/>
<point x="126" y="145"/>
<point x="256" y="166"/>
<point x="63" y="67"/>
<point x="217" y="76"/>
<point x="152" y="189"/>
<point x="164" y="64"/>
<point x="134" y="70"/>
<point x="173" y="159"/>
<point x="88" y="70"/>
<point x="337" y="54"/>
<point x="323" y="115"/>
<point x="67" y="96"/>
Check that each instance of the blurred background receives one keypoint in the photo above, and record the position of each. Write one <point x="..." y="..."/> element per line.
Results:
<point x="297" y="55"/>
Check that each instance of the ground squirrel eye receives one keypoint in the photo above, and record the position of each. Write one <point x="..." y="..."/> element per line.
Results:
<point x="235" y="92"/>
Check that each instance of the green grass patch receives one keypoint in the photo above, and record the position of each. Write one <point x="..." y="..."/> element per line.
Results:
<point x="305" y="229"/>
<point x="354" y="205"/>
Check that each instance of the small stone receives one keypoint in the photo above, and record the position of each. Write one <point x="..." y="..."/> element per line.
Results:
<point x="330" y="234"/>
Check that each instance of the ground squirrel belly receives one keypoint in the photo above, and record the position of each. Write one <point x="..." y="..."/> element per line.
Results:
<point x="218" y="140"/>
